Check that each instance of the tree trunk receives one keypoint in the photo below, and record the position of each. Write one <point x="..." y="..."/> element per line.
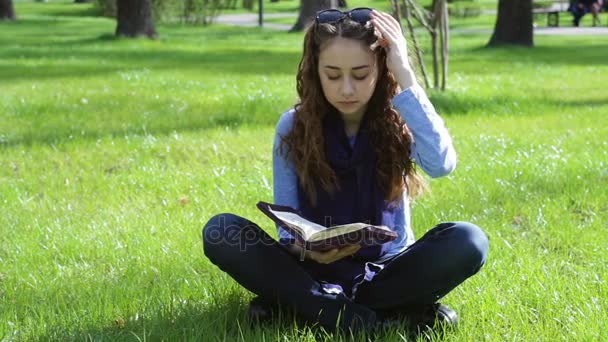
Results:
<point x="445" y="44"/>
<point x="407" y="14"/>
<point x="513" y="23"/>
<point x="6" y="10"/>
<point x="308" y="10"/>
<point x="134" y="18"/>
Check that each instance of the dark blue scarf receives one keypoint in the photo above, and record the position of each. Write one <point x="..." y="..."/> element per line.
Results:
<point x="359" y="198"/>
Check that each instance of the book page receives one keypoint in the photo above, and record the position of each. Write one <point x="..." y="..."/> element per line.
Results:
<point x="307" y="227"/>
<point x="343" y="229"/>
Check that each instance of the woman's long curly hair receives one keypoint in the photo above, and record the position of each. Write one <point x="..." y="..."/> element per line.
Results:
<point x="389" y="134"/>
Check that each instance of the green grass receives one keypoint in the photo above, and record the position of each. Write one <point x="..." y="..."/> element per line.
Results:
<point x="114" y="153"/>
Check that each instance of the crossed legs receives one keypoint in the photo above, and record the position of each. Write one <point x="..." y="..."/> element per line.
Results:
<point x="438" y="262"/>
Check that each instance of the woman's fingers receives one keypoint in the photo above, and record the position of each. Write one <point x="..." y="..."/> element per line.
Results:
<point x="388" y="20"/>
<point x="324" y="257"/>
<point x="381" y="41"/>
<point x="382" y="28"/>
<point x="333" y="254"/>
<point x="383" y="37"/>
<point x="387" y="25"/>
<point x="352" y="249"/>
<point x="389" y="29"/>
<point x="346" y="251"/>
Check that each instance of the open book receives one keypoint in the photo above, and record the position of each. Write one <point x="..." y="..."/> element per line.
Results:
<point x="316" y="237"/>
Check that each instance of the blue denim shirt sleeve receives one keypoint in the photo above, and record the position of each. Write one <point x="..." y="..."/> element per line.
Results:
<point x="432" y="148"/>
<point x="284" y="176"/>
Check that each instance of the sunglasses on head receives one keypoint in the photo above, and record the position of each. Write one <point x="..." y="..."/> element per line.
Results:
<point x="359" y="14"/>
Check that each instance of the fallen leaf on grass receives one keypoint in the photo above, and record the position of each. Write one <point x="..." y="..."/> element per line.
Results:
<point x="183" y="200"/>
<point x="119" y="322"/>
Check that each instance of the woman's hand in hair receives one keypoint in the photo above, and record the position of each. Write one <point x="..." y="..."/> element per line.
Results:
<point x="393" y="41"/>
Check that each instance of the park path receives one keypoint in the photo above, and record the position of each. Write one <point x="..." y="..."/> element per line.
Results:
<point x="251" y="19"/>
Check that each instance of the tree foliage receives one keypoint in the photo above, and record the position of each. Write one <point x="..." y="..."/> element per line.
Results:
<point x="189" y="11"/>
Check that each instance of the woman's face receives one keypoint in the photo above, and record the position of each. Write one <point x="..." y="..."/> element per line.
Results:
<point x="348" y="73"/>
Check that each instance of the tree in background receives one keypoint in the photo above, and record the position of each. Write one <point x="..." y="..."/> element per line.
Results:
<point x="7" y="12"/>
<point x="201" y="11"/>
<point x="308" y="10"/>
<point x="106" y="7"/>
<point x="134" y="18"/>
<point x="513" y="23"/>
<point x="248" y="4"/>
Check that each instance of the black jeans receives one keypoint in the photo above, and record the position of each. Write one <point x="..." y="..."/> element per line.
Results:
<point x="443" y="258"/>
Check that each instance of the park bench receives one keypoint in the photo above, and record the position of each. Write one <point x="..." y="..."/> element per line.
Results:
<point x="553" y="8"/>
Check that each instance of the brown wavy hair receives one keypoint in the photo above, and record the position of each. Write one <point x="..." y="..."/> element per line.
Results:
<point x="389" y="134"/>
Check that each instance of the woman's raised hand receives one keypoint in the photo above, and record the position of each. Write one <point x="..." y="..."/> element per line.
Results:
<point x="392" y="39"/>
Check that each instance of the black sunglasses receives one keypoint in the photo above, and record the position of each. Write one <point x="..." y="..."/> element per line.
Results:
<point x="359" y="14"/>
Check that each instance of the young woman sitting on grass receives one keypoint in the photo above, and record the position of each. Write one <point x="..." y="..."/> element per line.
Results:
<point x="347" y="153"/>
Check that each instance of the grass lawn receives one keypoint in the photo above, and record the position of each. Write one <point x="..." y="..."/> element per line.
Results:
<point x="114" y="153"/>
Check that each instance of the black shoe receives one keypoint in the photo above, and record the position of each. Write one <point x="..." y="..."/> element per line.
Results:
<point x="419" y="319"/>
<point x="259" y="310"/>
<point x="437" y="314"/>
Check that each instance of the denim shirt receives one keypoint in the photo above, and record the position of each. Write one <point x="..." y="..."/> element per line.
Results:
<point x="431" y="150"/>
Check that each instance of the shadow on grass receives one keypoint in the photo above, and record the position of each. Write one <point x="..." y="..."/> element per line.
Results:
<point x="222" y="321"/>
<point x="99" y="60"/>
<point x="189" y="322"/>
<point x="584" y="54"/>
<point x="56" y="135"/>
<point x="580" y="103"/>
<point x="448" y="103"/>
<point x="44" y="43"/>
<point x="290" y="10"/>
<point x="58" y="8"/>
<point x="225" y="321"/>
<point x="137" y="105"/>
<point x="75" y="10"/>
<point x="156" y="118"/>
<point x="36" y="72"/>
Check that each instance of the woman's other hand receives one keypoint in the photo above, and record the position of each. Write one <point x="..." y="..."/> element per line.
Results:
<point x="332" y="255"/>
<point x="393" y="41"/>
<point x="324" y="257"/>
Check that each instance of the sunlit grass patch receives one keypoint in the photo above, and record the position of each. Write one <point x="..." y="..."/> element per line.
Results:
<point x="115" y="152"/>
